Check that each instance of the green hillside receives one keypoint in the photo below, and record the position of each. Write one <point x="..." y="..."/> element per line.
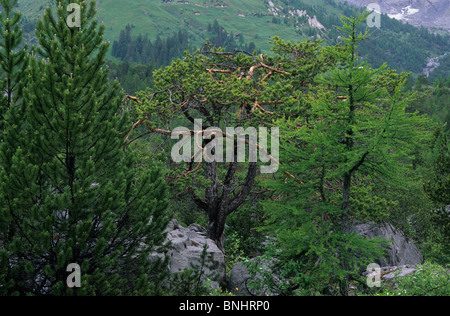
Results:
<point x="403" y="47"/>
<point x="155" y="17"/>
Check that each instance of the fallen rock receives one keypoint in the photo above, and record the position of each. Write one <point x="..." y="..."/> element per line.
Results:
<point x="402" y="250"/>
<point x="396" y="272"/>
<point x="186" y="246"/>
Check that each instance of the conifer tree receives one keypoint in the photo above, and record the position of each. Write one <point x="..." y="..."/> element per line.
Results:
<point x="12" y="63"/>
<point x="356" y="131"/>
<point x="12" y="55"/>
<point x="367" y="109"/>
<point x="69" y="193"/>
<point x="437" y="187"/>
<point x="232" y="89"/>
<point x="438" y="184"/>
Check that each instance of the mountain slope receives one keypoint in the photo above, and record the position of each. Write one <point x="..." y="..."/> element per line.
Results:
<point x="402" y="46"/>
<point x="432" y="14"/>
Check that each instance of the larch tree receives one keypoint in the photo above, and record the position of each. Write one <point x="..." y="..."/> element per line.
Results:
<point x="438" y="184"/>
<point x="437" y="187"/>
<point x="367" y="117"/>
<point x="356" y="131"/>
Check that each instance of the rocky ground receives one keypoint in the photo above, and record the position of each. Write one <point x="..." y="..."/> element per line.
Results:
<point x="187" y="244"/>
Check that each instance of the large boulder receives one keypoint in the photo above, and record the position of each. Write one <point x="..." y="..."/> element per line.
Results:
<point x="402" y="250"/>
<point x="185" y="249"/>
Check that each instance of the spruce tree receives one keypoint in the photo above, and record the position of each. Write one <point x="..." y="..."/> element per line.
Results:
<point x="70" y="193"/>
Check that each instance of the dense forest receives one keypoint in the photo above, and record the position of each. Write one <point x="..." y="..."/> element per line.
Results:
<point x="273" y="156"/>
<point x="138" y="58"/>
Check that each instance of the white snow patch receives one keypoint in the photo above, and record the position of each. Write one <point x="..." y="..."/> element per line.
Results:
<point x="397" y="16"/>
<point x="405" y="12"/>
<point x="410" y="11"/>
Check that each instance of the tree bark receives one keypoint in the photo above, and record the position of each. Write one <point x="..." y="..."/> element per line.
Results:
<point x="346" y="201"/>
<point x="218" y="208"/>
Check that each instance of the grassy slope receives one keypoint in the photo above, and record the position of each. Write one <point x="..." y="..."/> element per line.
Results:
<point x="156" y="18"/>
<point x="153" y="17"/>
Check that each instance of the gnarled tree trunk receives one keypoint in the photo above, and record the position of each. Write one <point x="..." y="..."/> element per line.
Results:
<point x="218" y="205"/>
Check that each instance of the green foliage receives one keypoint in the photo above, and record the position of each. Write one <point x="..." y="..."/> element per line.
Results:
<point x="355" y="129"/>
<point x="429" y="280"/>
<point x="438" y="186"/>
<point x="132" y="77"/>
<point x="263" y="280"/>
<point x="198" y="88"/>
<point x="434" y="99"/>
<point x="69" y="192"/>
<point x="313" y="249"/>
<point x="219" y="37"/>
<point x="233" y="250"/>
<point x="243" y="237"/>
<point x="220" y="292"/>
<point x="369" y="206"/>
<point x="12" y="57"/>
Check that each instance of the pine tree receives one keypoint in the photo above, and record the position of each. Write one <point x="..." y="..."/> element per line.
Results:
<point x="12" y="56"/>
<point x="69" y="191"/>
<point x="233" y="89"/>
<point x="12" y="63"/>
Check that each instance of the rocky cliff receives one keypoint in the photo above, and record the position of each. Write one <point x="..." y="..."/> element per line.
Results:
<point x="433" y="14"/>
